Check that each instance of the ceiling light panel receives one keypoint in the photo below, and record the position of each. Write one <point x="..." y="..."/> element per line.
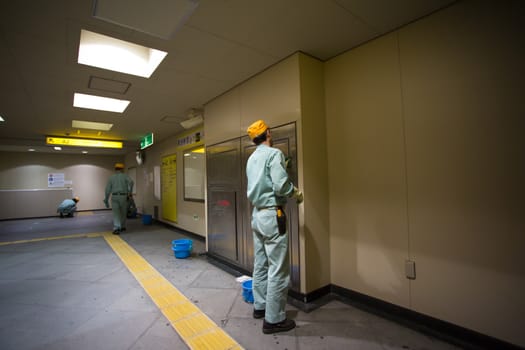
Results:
<point x="99" y="103"/>
<point x="105" y="52"/>
<point x="80" y="124"/>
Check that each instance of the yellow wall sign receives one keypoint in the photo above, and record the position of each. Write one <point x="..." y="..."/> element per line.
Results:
<point x="68" y="141"/>
<point x="169" y="187"/>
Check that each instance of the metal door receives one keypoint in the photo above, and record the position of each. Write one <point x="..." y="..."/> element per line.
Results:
<point x="224" y="178"/>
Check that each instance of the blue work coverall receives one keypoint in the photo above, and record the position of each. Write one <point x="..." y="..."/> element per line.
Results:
<point x="268" y="186"/>
<point x="119" y="186"/>
<point x="67" y="207"/>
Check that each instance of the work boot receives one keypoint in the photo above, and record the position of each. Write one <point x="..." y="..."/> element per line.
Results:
<point x="283" y="326"/>
<point x="116" y="232"/>
<point x="258" y="313"/>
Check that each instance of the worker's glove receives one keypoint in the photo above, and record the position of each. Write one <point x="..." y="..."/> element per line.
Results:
<point x="298" y="195"/>
<point x="106" y="203"/>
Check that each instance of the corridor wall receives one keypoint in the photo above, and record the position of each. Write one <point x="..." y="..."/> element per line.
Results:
<point x="86" y="176"/>
<point x="425" y="157"/>
<point x="190" y="214"/>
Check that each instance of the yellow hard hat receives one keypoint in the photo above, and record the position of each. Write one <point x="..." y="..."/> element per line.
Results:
<point x="257" y="129"/>
<point x="76" y="199"/>
<point x="119" y="165"/>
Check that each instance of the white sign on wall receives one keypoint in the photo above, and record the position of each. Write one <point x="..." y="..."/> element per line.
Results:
<point x="55" y="180"/>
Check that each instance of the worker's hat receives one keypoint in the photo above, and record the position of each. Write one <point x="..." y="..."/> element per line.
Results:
<point x="76" y="199"/>
<point x="257" y="129"/>
<point x="119" y="165"/>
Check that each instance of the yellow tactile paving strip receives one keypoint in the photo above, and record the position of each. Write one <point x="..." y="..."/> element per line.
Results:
<point x="194" y="327"/>
<point x="84" y="213"/>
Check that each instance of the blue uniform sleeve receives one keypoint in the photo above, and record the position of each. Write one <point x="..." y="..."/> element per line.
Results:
<point x="108" y="189"/>
<point x="282" y="186"/>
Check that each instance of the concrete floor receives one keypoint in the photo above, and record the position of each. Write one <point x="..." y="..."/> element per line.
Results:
<point x="75" y="293"/>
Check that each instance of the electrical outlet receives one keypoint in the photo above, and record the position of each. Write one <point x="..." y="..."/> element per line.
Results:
<point x="410" y="269"/>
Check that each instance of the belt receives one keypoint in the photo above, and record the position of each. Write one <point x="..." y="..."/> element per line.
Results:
<point x="120" y="193"/>
<point x="272" y="207"/>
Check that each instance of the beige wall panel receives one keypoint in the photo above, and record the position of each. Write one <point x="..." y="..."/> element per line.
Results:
<point x="314" y="180"/>
<point x="368" y="219"/>
<point x="89" y="181"/>
<point x="463" y="74"/>
<point x="272" y="95"/>
<point x="18" y="204"/>
<point x="88" y="174"/>
<point x="222" y="118"/>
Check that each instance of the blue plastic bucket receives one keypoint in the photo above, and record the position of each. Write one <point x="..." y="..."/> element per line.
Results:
<point x="247" y="293"/>
<point x="182" y="248"/>
<point x="182" y="243"/>
<point x="146" y="219"/>
<point x="181" y="253"/>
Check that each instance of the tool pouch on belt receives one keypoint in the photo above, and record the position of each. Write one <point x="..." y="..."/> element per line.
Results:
<point x="281" y="220"/>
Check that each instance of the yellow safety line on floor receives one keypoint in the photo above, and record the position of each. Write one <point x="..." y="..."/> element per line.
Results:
<point x="84" y="213"/>
<point x="80" y="235"/>
<point x="195" y="328"/>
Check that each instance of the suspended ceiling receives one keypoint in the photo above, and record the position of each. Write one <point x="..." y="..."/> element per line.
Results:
<point x="221" y="44"/>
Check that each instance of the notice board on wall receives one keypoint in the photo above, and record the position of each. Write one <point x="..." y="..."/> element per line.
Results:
<point x="55" y="180"/>
<point x="169" y="187"/>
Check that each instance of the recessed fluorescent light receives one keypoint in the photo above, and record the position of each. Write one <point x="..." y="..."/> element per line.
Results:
<point x="79" y="124"/>
<point x="99" y="103"/>
<point x="84" y="152"/>
<point x="105" y="52"/>
<point x="31" y="149"/>
<point x="69" y="141"/>
<point x="57" y="148"/>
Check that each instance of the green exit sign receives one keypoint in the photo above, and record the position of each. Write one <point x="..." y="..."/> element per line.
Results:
<point x="146" y="141"/>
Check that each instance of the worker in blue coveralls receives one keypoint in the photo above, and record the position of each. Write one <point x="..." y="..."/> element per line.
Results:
<point x="68" y="207"/>
<point x="267" y="189"/>
<point x="120" y="187"/>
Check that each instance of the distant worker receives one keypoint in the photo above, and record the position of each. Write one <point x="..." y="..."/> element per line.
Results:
<point x="68" y="207"/>
<point x="268" y="188"/>
<point x="120" y="187"/>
